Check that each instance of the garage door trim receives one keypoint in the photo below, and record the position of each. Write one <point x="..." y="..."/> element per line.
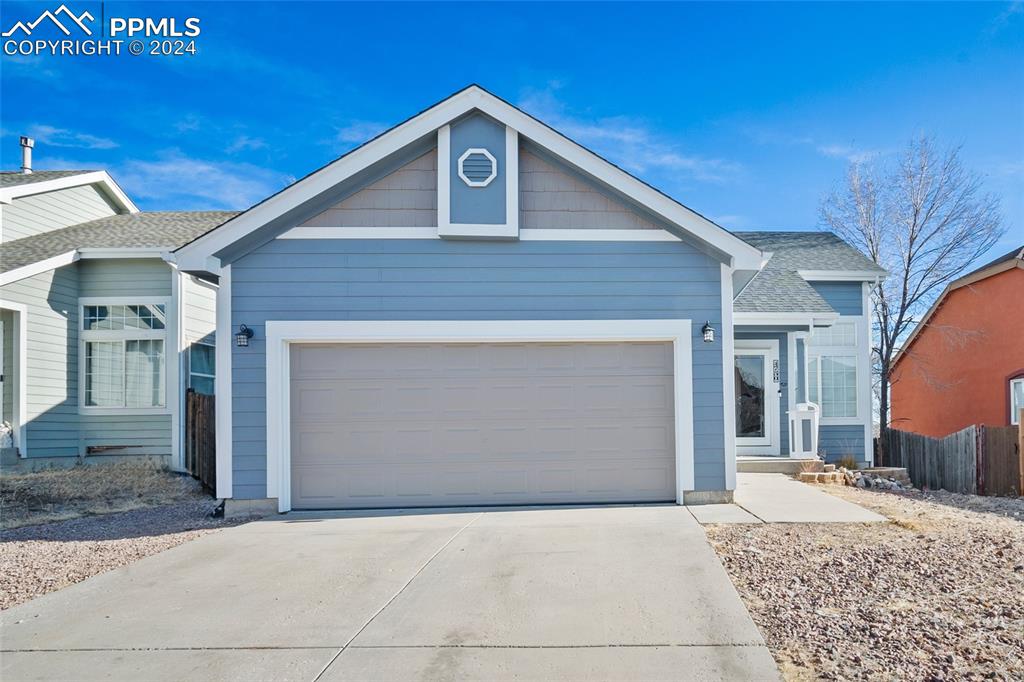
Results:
<point x="281" y="334"/>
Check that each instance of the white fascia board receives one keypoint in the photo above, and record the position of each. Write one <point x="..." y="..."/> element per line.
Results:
<point x="528" y="234"/>
<point x="94" y="178"/>
<point x="38" y="267"/>
<point x="808" y="319"/>
<point x="841" y="275"/>
<point x="125" y="252"/>
<point x="743" y="255"/>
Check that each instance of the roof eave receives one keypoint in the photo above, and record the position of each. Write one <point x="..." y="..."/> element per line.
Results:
<point x="976" y="276"/>
<point x="102" y="178"/>
<point x="197" y="253"/>
<point x="874" y="276"/>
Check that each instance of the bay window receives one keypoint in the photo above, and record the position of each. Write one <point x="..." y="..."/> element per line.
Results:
<point x="832" y="370"/>
<point x="123" y="359"/>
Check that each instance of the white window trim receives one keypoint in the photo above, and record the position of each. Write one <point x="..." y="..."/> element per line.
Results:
<point x="482" y="152"/>
<point x="1014" y="414"/>
<point x="282" y="334"/>
<point x="166" y="335"/>
<point x="861" y="353"/>
<point x="445" y="227"/>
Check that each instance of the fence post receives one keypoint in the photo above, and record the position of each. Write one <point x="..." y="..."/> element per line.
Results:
<point x="1020" y="452"/>
<point x="979" y="451"/>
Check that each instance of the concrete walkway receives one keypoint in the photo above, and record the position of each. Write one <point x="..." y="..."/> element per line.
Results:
<point x="778" y="498"/>
<point x="558" y="593"/>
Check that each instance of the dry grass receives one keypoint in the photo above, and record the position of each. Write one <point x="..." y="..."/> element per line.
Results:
<point x="810" y="465"/>
<point x="85" y="490"/>
<point x="849" y="462"/>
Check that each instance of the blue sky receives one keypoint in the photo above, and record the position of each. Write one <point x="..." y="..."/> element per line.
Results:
<point x="748" y="113"/>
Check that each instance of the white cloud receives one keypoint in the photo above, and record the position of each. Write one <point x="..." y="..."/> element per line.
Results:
<point x="244" y="142"/>
<point x="188" y="124"/>
<point x="62" y="137"/>
<point x="359" y="132"/>
<point x="625" y="141"/>
<point x="179" y="182"/>
<point x="848" y="152"/>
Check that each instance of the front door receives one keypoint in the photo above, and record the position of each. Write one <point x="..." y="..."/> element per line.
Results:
<point x="756" y="369"/>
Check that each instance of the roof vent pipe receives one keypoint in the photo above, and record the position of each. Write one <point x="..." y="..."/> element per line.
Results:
<point x="27" y="143"/>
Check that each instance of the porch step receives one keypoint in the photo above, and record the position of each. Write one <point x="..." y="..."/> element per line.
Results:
<point x="777" y="465"/>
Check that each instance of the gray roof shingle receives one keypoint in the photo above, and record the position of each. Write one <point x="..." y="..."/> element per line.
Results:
<point x="15" y="178"/>
<point x="158" y="229"/>
<point x="778" y="287"/>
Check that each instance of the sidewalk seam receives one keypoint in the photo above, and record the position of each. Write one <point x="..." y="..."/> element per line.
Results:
<point x="395" y="595"/>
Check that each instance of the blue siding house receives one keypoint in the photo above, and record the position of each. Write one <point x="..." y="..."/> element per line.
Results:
<point x="100" y="334"/>
<point x="473" y="309"/>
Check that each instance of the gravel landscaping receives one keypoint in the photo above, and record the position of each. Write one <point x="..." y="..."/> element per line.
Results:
<point x="35" y="560"/>
<point x="935" y="594"/>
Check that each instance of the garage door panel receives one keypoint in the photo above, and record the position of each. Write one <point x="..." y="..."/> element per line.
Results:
<point x="450" y="424"/>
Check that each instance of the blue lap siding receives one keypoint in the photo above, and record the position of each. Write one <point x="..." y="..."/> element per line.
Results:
<point x="846" y="298"/>
<point x="835" y="440"/>
<point x="469" y="280"/>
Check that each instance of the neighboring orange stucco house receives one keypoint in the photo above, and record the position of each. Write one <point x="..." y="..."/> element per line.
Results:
<point x="964" y="364"/>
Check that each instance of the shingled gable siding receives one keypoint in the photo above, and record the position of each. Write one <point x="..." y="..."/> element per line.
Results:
<point x="142" y="278"/>
<point x="51" y="374"/>
<point x="405" y="198"/>
<point x="291" y="279"/>
<point x="846" y="298"/>
<point x="27" y="216"/>
<point x="551" y="196"/>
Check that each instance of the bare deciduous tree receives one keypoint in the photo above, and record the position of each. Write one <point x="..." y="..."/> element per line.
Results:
<point x="925" y="220"/>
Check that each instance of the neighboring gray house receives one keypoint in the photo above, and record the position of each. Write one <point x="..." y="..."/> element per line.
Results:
<point x="473" y="309"/>
<point x="101" y="334"/>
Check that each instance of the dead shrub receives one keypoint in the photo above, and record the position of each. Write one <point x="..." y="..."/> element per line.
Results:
<point x="848" y="461"/>
<point x="39" y="496"/>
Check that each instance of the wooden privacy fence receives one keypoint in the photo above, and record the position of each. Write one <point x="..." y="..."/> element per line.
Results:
<point x="980" y="460"/>
<point x="201" y="438"/>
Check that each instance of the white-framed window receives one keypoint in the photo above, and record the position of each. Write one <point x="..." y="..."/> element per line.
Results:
<point x="122" y="355"/>
<point x="832" y="364"/>
<point x="202" y="367"/>
<point x="1016" y="399"/>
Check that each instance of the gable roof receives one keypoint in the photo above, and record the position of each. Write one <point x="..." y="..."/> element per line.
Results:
<point x="164" y="230"/>
<point x="1009" y="261"/>
<point x="16" y="178"/>
<point x="421" y="127"/>
<point x="781" y="287"/>
<point x="14" y="185"/>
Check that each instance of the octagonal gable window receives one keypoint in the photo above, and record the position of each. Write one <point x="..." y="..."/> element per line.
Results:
<point x="477" y="167"/>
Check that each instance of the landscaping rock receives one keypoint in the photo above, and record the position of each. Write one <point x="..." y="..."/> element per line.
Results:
<point x="45" y="558"/>
<point x="933" y="595"/>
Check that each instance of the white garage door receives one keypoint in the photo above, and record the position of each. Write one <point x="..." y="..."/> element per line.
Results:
<point x="429" y="424"/>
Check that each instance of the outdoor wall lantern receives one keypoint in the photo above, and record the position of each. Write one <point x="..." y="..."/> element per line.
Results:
<point x="243" y="336"/>
<point x="709" y="332"/>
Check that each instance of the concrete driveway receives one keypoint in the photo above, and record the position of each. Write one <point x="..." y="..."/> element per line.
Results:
<point x="555" y="593"/>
